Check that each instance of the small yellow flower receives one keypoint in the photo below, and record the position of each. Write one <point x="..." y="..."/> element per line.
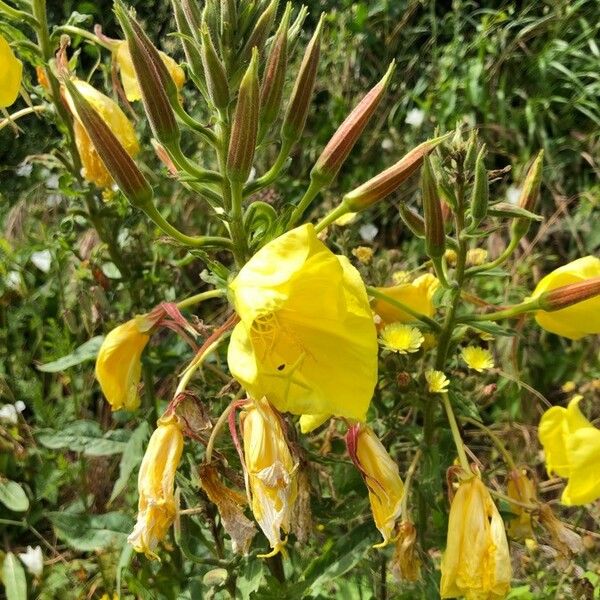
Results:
<point x="401" y="338"/>
<point x="572" y="449"/>
<point x="579" y="319"/>
<point x="476" y="562"/>
<point x="437" y="382"/>
<point x="156" y="487"/>
<point x="417" y="295"/>
<point x="451" y="257"/>
<point x="118" y="365"/>
<point x="10" y="74"/>
<point x="270" y="471"/>
<point x="476" y="256"/>
<point x="429" y="341"/>
<point x="364" y="254"/>
<point x="477" y="358"/>
<point x="381" y="476"/>
<point x="400" y="277"/>
<point x="568" y="386"/>
<point x="129" y="78"/>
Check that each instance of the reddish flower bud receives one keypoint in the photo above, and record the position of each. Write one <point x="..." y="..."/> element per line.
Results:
<point x="529" y="195"/>
<point x="214" y="71"/>
<point x="567" y="295"/>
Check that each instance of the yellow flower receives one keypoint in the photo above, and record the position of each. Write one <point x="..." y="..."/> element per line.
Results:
<point x="476" y="562"/>
<point x="401" y="338"/>
<point x="476" y="256"/>
<point x="417" y="295"/>
<point x="93" y="169"/>
<point x="579" y="319"/>
<point x="451" y="257"/>
<point x="156" y="487"/>
<point x="568" y="386"/>
<point x="477" y="358"/>
<point x="521" y="487"/>
<point x="129" y="78"/>
<point x="306" y="339"/>
<point x="572" y="448"/>
<point x="118" y="366"/>
<point x="364" y="254"/>
<point x="437" y="382"/>
<point x="10" y="74"/>
<point x="399" y="277"/>
<point x="269" y="471"/>
<point x="382" y="478"/>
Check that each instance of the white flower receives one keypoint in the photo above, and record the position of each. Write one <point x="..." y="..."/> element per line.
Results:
<point x="20" y="406"/>
<point x="415" y="117"/>
<point x="387" y="144"/>
<point x="9" y="414"/>
<point x="33" y="560"/>
<point x="368" y="232"/>
<point x="513" y="193"/>
<point x="52" y="182"/>
<point x="53" y="200"/>
<point x="42" y="260"/>
<point x="24" y="169"/>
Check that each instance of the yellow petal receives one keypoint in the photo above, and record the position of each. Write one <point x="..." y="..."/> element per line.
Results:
<point x="583" y="451"/>
<point x="310" y="422"/>
<point x="11" y="73"/>
<point x="552" y="432"/>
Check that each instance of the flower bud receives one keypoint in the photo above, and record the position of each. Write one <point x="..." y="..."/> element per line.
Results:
<point x="242" y="142"/>
<point x="271" y="92"/>
<point x="481" y="190"/>
<point x="435" y="234"/>
<point x="10" y="78"/>
<point x="529" y="195"/>
<point x="347" y="134"/>
<point x="381" y="477"/>
<point x="567" y="295"/>
<point x="156" y="85"/>
<point x="211" y="17"/>
<point x="214" y="71"/>
<point x="113" y="154"/>
<point x="413" y="220"/>
<point x="260" y="32"/>
<point x="188" y="39"/>
<point x="382" y="185"/>
<point x="297" y="109"/>
<point x="191" y="12"/>
<point x="156" y="486"/>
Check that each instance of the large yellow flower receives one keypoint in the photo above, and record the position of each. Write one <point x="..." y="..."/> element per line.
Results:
<point x="417" y="295"/>
<point x="118" y="366"/>
<point x="306" y="338"/>
<point x="156" y="486"/>
<point x="270" y="471"/>
<point x="579" y="319"/>
<point x="476" y="562"/>
<point x="129" y="78"/>
<point x="10" y="74"/>
<point x="93" y="169"/>
<point x="572" y="448"/>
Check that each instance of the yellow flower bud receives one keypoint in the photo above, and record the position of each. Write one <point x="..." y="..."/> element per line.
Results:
<point x="476" y="562"/>
<point x="476" y="256"/>
<point x="10" y="74"/>
<point x="270" y="471"/>
<point x="572" y="447"/>
<point x="156" y="487"/>
<point x="364" y="254"/>
<point x="382" y="479"/>
<point x="118" y="366"/>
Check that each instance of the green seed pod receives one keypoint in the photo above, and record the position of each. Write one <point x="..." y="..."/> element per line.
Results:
<point x="413" y="220"/>
<point x="435" y="233"/>
<point x="214" y="71"/>
<point x="471" y="152"/>
<point x="529" y="195"/>
<point x="242" y="142"/>
<point x="481" y="190"/>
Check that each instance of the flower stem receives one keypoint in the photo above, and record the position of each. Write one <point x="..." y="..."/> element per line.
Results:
<point x="501" y="447"/>
<point x="21" y="113"/>
<point x="460" y="447"/>
<point x="311" y="193"/>
<point x="507" y="313"/>
<point x="196" y="299"/>
<point x="271" y="175"/>
<point x="512" y="245"/>
<point x="223" y="418"/>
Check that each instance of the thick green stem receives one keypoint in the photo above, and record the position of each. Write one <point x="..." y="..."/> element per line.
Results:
<point x="507" y="313"/>
<point x="330" y="217"/>
<point x="512" y="245"/>
<point x="236" y="224"/>
<point x="460" y="447"/>
<point x="311" y="193"/>
<point x="196" y="299"/>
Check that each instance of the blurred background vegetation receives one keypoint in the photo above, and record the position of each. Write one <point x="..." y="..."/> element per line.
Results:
<point x="526" y="73"/>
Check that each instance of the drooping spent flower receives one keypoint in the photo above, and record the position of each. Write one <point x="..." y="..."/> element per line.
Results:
<point x="10" y="74"/>
<point x="306" y="338"/>
<point x="405" y="564"/>
<point x="156" y="486"/>
<point x="401" y="338"/>
<point x="477" y="358"/>
<point x="521" y="488"/>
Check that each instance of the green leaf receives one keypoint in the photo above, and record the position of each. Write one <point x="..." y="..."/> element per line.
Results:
<point x="504" y="209"/>
<point x="132" y="457"/>
<point x="85" y="352"/>
<point x="85" y="436"/>
<point x="86" y="533"/>
<point x="13" y="576"/>
<point x="492" y="328"/>
<point x="13" y="496"/>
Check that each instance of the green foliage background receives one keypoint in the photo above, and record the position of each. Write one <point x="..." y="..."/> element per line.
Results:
<point x="526" y="73"/>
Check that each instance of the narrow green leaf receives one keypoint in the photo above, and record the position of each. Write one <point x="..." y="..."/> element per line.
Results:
<point x="85" y="352"/>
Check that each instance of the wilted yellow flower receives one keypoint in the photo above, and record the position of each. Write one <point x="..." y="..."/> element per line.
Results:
<point x="156" y="487"/>
<point x="406" y="565"/>
<point x="477" y="358"/>
<point x="306" y="338"/>
<point x="118" y="365"/>
<point x="520" y="487"/>
<point x="129" y="78"/>
<point x="579" y="319"/>
<point x="476" y="256"/>
<point x="10" y="74"/>
<point x="364" y="254"/>
<point x="572" y="449"/>
<point x="381" y="476"/>
<point x="401" y="338"/>
<point x="417" y="295"/>
<point x="437" y="382"/>
<point x="93" y="169"/>
<point x="270" y="471"/>
<point x="476" y="562"/>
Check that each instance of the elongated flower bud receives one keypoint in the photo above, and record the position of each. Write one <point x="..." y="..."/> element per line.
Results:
<point x="297" y="109"/>
<point x="347" y="134"/>
<point x="481" y="190"/>
<point x="193" y="16"/>
<point x="529" y="195"/>
<point x="271" y="92"/>
<point x="114" y="156"/>
<point x="211" y="16"/>
<point x="156" y="84"/>
<point x="567" y="295"/>
<point x="188" y="36"/>
<point x="214" y="71"/>
<point x="413" y="220"/>
<point x="260" y="32"/>
<point x="242" y="142"/>
<point x="382" y="185"/>
<point x="435" y="235"/>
